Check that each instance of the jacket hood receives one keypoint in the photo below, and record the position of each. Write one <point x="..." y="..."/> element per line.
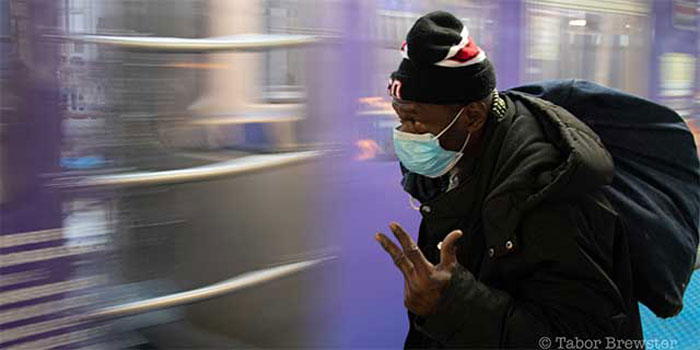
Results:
<point x="545" y="154"/>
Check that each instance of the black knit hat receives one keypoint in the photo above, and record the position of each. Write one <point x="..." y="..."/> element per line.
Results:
<point x="442" y="64"/>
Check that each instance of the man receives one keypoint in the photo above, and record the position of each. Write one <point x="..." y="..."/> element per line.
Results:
<point x="518" y="247"/>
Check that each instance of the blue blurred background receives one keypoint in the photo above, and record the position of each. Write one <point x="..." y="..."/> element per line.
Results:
<point x="241" y="150"/>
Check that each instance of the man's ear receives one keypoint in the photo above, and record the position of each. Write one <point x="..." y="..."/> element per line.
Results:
<point x="476" y="112"/>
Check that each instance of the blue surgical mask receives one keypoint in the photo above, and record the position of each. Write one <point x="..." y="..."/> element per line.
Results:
<point x="422" y="153"/>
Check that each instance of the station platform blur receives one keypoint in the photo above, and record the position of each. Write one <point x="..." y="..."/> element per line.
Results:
<point x="684" y="328"/>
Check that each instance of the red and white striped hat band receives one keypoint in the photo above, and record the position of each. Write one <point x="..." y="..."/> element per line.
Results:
<point x="465" y="53"/>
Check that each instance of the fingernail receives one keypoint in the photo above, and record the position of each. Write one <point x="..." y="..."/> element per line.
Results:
<point x="377" y="238"/>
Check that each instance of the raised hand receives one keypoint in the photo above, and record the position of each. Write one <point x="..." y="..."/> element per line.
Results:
<point x="424" y="282"/>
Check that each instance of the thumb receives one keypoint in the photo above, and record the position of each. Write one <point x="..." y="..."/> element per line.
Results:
<point x="448" y="251"/>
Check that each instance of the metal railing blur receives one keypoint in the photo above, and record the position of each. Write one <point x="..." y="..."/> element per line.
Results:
<point x="229" y="286"/>
<point x="610" y="6"/>
<point x="234" y="42"/>
<point x="243" y="165"/>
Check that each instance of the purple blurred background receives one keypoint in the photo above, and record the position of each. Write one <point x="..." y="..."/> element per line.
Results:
<point x="154" y="147"/>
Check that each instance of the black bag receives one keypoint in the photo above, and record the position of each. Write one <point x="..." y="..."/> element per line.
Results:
<point x="656" y="188"/>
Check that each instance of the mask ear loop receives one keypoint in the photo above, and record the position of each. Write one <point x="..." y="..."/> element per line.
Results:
<point x="465" y="142"/>
<point x="449" y="125"/>
<point x="413" y="204"/>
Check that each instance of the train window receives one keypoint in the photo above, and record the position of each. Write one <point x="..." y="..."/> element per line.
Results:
<point x="284" y="69"/>
<point x="600" y="44"/>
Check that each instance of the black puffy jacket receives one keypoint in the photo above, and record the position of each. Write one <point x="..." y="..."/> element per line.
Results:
<point x="543" y="257"/>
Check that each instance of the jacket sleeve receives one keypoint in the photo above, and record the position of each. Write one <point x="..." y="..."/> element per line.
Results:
<point x="557" y="282"/>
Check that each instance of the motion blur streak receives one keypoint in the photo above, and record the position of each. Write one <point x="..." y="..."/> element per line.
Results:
<point x="153" y="148"/>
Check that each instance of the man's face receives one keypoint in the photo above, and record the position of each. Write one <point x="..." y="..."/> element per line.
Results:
<point x="421" y="118"/>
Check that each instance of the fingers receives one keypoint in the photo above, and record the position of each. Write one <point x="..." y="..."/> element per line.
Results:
<point x="448" y="251"/>
<point x="410" y="249"/>
<point x="400" y="259"/>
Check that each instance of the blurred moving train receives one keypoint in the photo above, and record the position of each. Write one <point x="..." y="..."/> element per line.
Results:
<point x="209" y="173"/>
